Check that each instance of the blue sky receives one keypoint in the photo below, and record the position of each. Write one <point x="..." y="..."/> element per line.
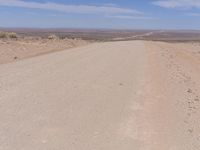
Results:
<point x="116" y="14"/>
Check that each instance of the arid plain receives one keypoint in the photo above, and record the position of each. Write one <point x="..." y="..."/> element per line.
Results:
<point x="135" y="92"/>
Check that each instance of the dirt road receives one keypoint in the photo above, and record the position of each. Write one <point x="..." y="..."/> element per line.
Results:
<point x="139" y="36"/>
<point x="132" y="95"/>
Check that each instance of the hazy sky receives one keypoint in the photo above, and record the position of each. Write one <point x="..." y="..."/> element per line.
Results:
<point x="124" y="14"/>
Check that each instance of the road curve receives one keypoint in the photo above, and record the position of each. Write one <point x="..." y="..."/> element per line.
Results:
<point x="104" y="96"/>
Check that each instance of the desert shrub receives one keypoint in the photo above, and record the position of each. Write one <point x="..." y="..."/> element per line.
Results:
<point x="3" y="35"/>
<point x="52" y="37"/>
<point x="8" y="35"/>
<point x="12" y="35"/>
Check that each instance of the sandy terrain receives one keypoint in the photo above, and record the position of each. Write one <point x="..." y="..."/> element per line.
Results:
<point x="13" y="50"/>
<point x="132" y="95"/>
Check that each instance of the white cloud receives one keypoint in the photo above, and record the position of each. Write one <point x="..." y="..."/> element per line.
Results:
<point x="129" y="17"/>
<point x="193" y="14"/>
<point x="178" y="3"/>
<point x="80" y="9"/>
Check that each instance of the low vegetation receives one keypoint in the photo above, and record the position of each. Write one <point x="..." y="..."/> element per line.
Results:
<point x="2" y="35"/>
<point x="10" y="35"/>
<point x="53" y="37"/>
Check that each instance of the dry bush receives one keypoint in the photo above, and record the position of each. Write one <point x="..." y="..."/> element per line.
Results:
<point x="53" y="37"/>
<point x="3" y="35"/>
<point x="11" y="35"/>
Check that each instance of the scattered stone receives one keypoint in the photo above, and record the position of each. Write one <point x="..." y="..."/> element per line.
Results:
<point x="190" y="130"/>
<point x="189" y="91"/>
<point x="121" y="84"/>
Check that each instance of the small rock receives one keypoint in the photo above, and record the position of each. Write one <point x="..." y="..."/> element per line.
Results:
<point x="190" y="130"/>
<point x="121" y="84"/>
<point x="189" y="91"/>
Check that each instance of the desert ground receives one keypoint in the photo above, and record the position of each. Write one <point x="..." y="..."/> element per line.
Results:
<point x="119" y="95"/>
<point x="14" y="50"/>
